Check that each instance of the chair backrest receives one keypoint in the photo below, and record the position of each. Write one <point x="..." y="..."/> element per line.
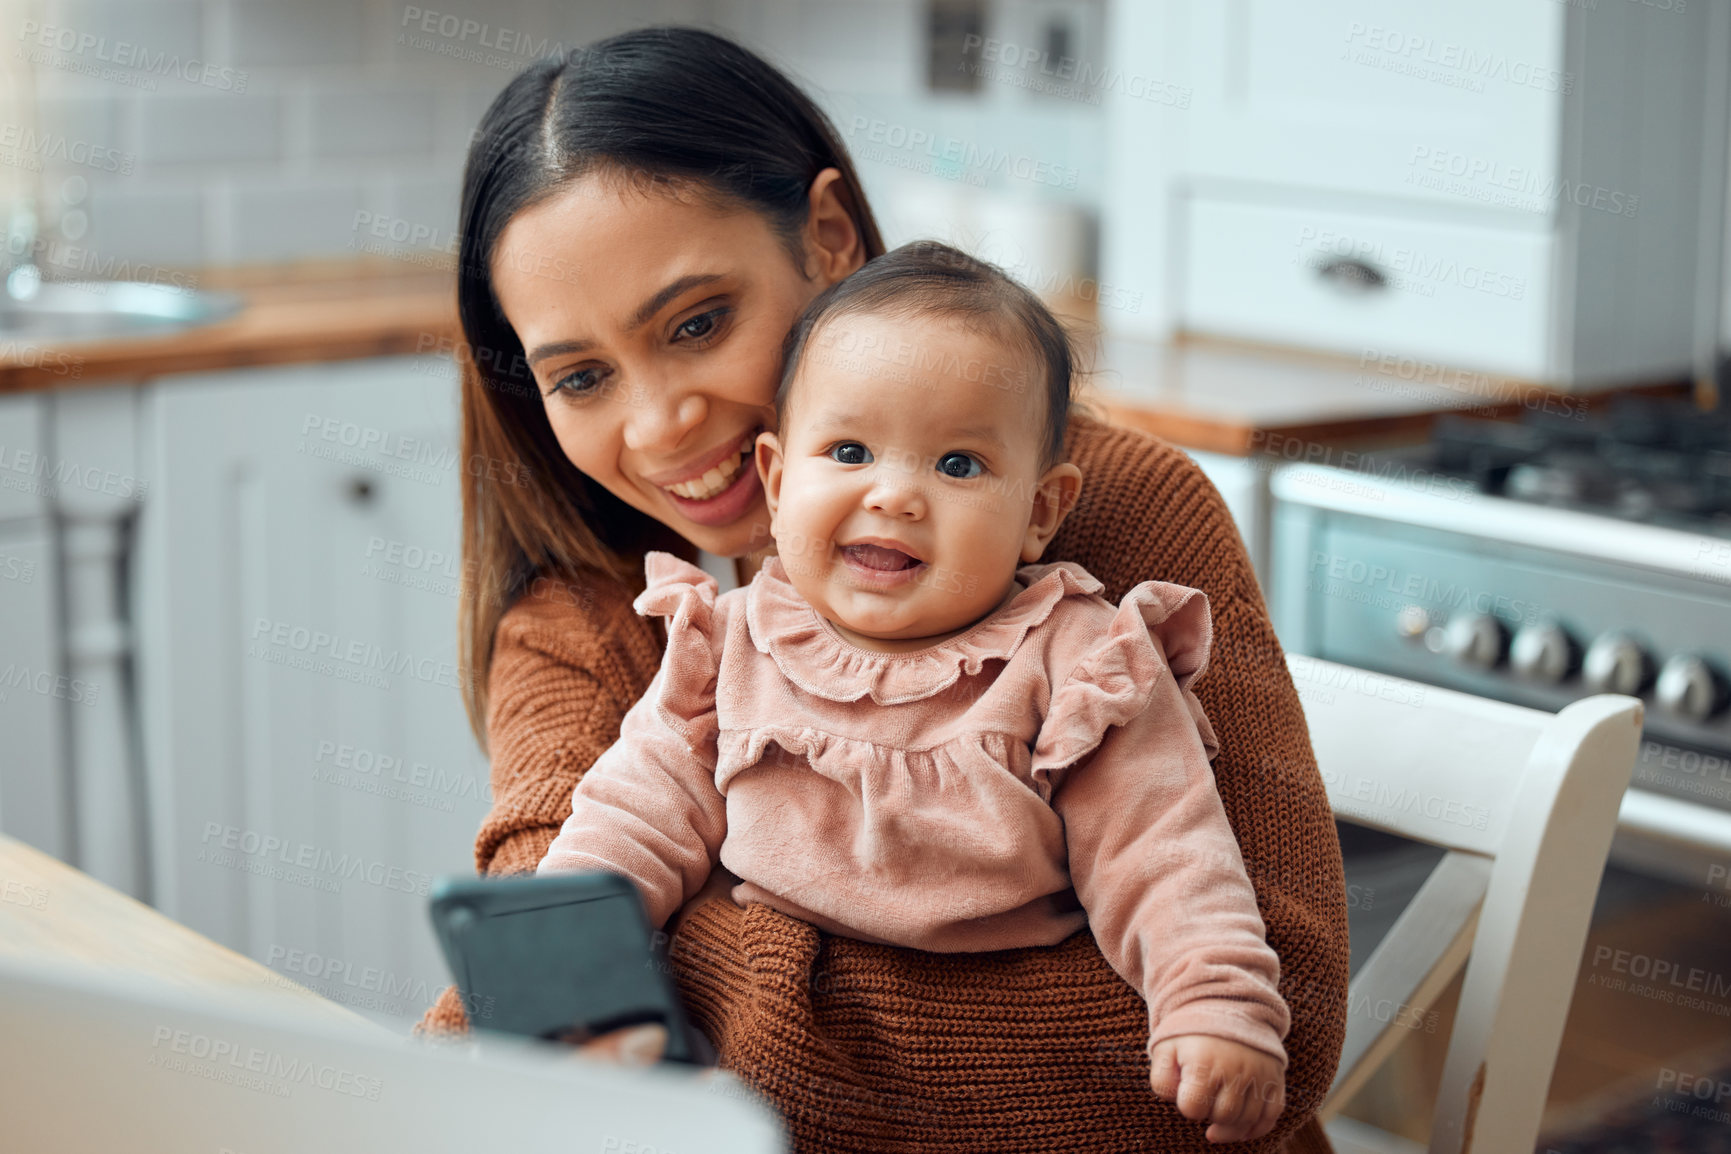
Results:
<point x="1526" y="803"/>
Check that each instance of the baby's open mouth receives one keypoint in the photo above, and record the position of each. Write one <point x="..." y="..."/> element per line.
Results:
<point x="880" y="558"/>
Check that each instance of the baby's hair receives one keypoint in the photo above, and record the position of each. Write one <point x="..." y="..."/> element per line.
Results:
<point x="927" y="278"/>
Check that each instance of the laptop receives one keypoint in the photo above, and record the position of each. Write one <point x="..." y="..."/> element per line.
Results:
<point x="97" y="1061"/>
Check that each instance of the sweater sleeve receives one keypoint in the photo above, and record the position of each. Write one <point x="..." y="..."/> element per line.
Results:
<point x="565" y="669"/>
<point x="1152" y="856"/>
<point x="649" y="808"/>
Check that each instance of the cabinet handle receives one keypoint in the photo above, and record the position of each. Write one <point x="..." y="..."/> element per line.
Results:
<point x="361" y="490"/>
<point x="1353" y="276"/>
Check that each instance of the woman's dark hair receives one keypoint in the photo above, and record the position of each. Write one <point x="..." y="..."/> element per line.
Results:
<point x="676" y="106"/>
<point x="927" y="278"/>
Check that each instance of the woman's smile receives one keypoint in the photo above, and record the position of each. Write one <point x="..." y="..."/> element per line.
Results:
<point x="718" y="487"/>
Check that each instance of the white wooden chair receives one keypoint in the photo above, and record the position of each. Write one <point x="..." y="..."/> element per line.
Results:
<point x="1525" y="803"/>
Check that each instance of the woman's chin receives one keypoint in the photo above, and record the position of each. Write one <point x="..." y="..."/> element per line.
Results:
<point x="747" y="535"/>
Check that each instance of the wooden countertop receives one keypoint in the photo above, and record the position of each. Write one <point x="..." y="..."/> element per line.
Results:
<point x="51" y="912"/>
<point x="1246" y="400"/>
<point x="316" y="312"/>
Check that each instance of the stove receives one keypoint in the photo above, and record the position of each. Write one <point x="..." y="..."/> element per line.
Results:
<point x="1538" y="562"/>
<point x="1651" y="460"/>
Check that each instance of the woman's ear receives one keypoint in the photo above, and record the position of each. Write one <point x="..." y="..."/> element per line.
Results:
<point x="833" y="247"/>
<point x="768" y="459"/>
<point x="1055" y="494"/>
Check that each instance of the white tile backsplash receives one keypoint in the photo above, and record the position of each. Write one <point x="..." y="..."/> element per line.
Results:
<point x="209" y="127"/>
<point x="290" y="220"/>
<point x="329" y="108"/>
<point x="317" y="33"/>
<point x="161" y="226"/>
<point x="358" y="122"/>
<point x="173" y="28"/>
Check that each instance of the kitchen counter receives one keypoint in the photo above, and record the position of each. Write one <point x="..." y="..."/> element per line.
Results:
<point x="51" y="912"/>
<point x="1245" y="400"/>
<point x="326" y="312"/>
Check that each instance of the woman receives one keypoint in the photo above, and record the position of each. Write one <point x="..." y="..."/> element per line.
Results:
<point x="641" y="224"/>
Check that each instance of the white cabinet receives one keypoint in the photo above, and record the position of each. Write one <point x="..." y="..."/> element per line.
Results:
<point x="309" y="761"/>
<point x="1362" y="96"/>
<point x="1534" y="189"/>
<point x="34" y="690"/>
<point x="1251" y="269"/>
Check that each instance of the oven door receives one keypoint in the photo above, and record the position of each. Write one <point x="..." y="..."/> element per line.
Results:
<point x="1427" y="581"/>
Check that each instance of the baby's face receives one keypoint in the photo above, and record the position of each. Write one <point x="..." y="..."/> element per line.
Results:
<point x="905" y="486"/>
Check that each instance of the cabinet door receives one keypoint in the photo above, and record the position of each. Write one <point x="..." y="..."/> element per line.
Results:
<point x="1453" y="104"/>
<point x="34" y="695"/>
<point x="310" y="763"/>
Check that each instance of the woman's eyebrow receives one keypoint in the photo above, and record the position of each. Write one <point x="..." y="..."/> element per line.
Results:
<point x="644" y="314"/>
<point x="557" y="348"/>
<point x="647" y="310"/>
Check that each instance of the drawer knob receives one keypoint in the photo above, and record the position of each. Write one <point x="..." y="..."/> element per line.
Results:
<point x="1353" y="276"/>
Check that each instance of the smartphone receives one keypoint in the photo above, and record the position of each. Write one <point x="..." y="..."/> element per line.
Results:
<point x="562" y="957"/>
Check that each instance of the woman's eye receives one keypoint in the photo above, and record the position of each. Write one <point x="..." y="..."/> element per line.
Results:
<point x="580" y="383"/>
<point x="700" y="327"/>
<point x="959" y="465"/>
<point x="851" y="453"/>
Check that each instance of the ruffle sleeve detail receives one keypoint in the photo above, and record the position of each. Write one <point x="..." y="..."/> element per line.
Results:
<point x="1158" y="627"/>
<point x="685" y="596"/>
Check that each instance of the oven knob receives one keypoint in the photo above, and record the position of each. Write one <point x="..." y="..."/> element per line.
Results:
<point x="1688" y="688"/>
<point x="1475" y="639"/>
<point x="1616" y="663"/>
<point x="1412" y="621"/>
<point x="1543" y="652"/>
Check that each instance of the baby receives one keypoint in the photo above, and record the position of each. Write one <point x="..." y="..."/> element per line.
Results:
<point x="905" y="731"/>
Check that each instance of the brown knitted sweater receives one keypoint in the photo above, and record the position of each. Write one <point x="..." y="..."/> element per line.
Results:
<point x="874" y="1048"/>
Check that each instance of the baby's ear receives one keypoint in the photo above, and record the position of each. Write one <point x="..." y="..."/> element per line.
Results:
<point x="1055" y="494"/>
<point x="767" y="457"/>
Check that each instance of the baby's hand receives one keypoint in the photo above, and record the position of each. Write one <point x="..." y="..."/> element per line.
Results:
<point x="1238" y="1089"/>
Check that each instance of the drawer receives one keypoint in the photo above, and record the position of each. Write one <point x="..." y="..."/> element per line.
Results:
<point x="1368" y="285"/>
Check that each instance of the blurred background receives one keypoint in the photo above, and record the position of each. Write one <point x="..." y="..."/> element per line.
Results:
<point x="1368" y="262"/>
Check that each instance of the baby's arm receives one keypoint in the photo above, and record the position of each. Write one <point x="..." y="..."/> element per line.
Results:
<point x="649" y="809"/>
<point x="1157" y="867"/>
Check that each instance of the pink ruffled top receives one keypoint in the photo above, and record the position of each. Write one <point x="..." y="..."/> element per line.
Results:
<point x="1043" y="771"/>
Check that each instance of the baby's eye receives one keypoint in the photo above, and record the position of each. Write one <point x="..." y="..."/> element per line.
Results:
<point x="959" y="465"/>
<point x="851" y="453"/>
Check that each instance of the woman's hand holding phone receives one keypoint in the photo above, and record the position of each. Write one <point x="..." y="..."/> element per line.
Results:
<point x="644" y="1045"/>
<point x="632" y="1046"/>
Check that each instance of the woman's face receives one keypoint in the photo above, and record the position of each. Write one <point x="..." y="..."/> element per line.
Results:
<point x="653" y="323"/>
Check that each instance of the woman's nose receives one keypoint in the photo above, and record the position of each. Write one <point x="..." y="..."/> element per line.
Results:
<point x="659" y="417"/>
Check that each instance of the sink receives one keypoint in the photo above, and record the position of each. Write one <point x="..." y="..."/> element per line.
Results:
<point x="66" y="311"/>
